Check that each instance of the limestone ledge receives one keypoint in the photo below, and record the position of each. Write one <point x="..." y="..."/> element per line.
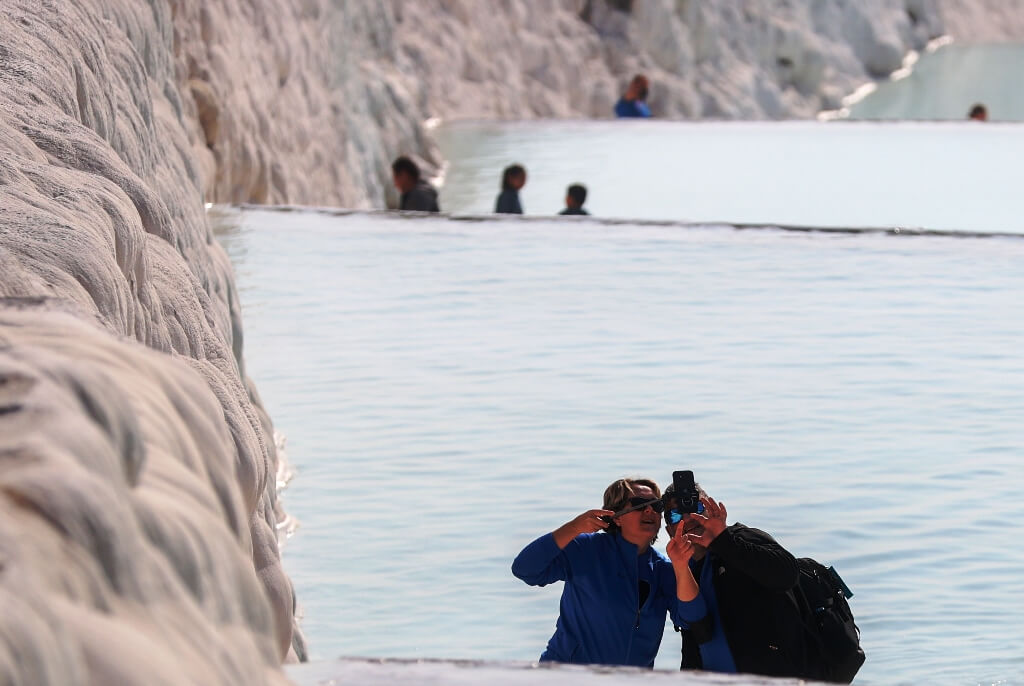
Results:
<point x="307" y="101"/>
<point x="371" y="672"/>
<point x="137" y="467"/>
<point x="128" y="549"/>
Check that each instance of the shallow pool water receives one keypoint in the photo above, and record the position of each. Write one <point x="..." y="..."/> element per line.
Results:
<point x="939" y="175"/>
<point x="946" y="83"/>
<point x="452" y="389"/>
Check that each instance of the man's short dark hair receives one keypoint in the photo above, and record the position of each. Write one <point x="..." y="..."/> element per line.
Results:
<point x="404" y="165"/>
<point x="511" y="172"/>
<point x="978" y="110"/>
<point x="578" y="193"/>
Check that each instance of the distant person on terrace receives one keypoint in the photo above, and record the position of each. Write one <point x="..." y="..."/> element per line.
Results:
<point x="574" y="199"/>
<point x="417" y="194"/>
<point x="512" y="180"/>
<point x="634" y="102"/>
<point x="978" y="113"/>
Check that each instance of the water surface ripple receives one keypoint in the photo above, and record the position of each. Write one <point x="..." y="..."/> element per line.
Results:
<point x="452" y="389"/>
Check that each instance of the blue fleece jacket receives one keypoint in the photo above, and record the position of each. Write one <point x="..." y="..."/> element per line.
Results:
<point x="716" y="656"/>
<point x="632" y="109"/>
<point x="599" y="621"/>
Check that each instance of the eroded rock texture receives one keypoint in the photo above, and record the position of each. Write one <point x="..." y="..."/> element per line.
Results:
<point x="137" y="488"/>
<point x="295" y="101"/>
<point x="137" y="475"/>
<point x="732" y="59"/>
<point x="307" y="101"/>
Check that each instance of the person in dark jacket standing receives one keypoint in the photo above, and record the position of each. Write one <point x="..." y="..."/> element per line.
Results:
<point x="512" y="180"/>
<point x="617" y="587"/>
<point x="742" y="618"/>
<point x="574" y="199"/>
<point x="417" y="194"/>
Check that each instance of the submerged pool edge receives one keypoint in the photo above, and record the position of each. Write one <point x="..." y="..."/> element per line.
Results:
<point x="372" y="671"/>
<point x="621" y="221"/>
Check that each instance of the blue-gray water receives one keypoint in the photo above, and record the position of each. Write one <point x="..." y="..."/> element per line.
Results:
<point x="946" y="83"/>
<point x="948" y="175"/>
<point x="452" y="389"/>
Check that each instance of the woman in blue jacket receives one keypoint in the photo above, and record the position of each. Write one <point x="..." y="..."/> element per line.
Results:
<point x="617" y="587"/>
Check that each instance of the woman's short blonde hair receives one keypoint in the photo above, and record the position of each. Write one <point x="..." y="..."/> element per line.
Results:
<point x="617" y="496"/>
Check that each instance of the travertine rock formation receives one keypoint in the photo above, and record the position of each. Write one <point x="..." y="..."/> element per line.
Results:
<point x="307" y="101"/>
<point x="294" y="101"/>
<point x="137" y="468"/>
<point x="127" y="551"/>
<point x="983" y="21"/>
<point x="748" y="59"/>
<point x="733" y="59"/>
<point x="137" y="473"/>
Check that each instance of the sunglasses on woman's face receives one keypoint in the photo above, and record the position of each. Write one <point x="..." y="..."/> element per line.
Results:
<point x="642" y="504"/>
<point x="674" y="516"/>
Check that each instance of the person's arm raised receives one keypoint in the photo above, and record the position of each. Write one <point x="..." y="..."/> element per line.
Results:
<point x="680" y="550"/>
<point x="542" y="562"/>
<point x="751" y="551"/>
<point x="587" y="523"/>
<point x="691" y="611"/>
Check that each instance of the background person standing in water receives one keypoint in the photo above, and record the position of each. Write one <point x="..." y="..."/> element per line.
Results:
<point x="617" y="587"/>
<point x="417" y="194"/>
<point x="512" y="180"/>
<point x="575" y="196"/>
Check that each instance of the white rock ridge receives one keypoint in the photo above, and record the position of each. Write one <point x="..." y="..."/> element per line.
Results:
<point x="137" y="470"/>
<point x="136" y="463"/>
<point x="294" y="101"/>
<point x="124" y="555"/>
<point x="308" y="101"/>
<point x="731" y="59"/>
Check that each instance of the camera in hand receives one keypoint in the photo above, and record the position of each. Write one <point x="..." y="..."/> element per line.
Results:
<point x="685" y="492"/>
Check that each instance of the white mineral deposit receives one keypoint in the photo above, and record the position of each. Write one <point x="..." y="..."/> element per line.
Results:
<point x="138" y="488"/>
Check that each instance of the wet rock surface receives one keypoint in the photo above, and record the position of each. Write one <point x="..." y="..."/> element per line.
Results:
<point x="137" y="478"/>
<point x="137" y="468"/>
<point x="308" y="102"/>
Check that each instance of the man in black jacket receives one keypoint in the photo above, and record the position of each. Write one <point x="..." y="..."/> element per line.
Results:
<point x="417" y="194"/>
<point x="742" y="618"/>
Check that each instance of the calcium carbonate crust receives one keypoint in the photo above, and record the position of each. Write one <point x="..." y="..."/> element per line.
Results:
<point x="725" y="59"/>
<point x="307" y="101"/>
<point x="137" y="474"/>
<point x="294" y="101"/>
<point x="137" y="468"/>
<point x="125" y="551"/>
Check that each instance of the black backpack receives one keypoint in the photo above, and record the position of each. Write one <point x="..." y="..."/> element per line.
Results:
<point x="831" y="636"/>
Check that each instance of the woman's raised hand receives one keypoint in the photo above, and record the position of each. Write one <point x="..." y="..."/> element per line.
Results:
<point x="590" y="521"/>
<point x="586" y="523"/>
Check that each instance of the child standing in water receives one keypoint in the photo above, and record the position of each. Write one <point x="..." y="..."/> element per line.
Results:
<point x="574" y="199"/>
<point x="512" y="179"/>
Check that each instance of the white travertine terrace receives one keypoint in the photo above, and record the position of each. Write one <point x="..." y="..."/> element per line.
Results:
<point x="137" y="469"/>
<point x="729" y="59"/>
<point x="375" y="672"/>
<point x="125" y="551"/>
<point x="137" y="466"/>
<point x="308" y="101"/>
